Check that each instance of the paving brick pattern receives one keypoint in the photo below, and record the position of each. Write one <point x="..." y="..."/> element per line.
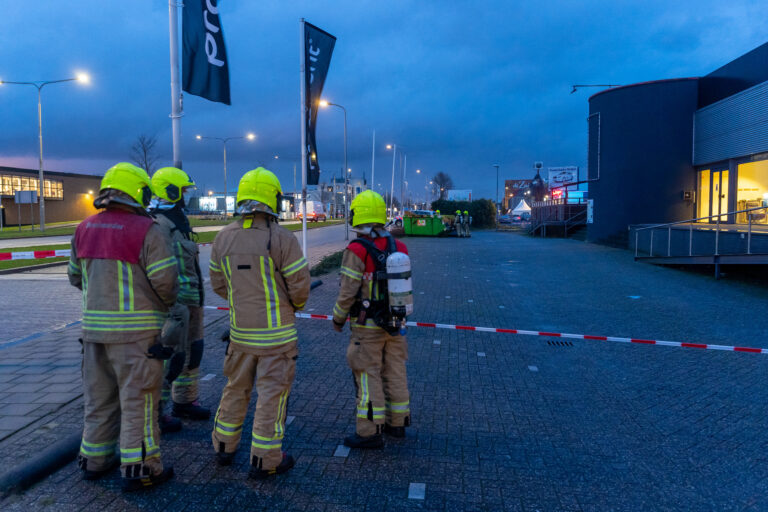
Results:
<point x="528" y="426"/>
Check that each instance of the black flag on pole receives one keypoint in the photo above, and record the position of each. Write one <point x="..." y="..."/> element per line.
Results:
<point x="318" y="47"/>
<point x="205" y="70"/>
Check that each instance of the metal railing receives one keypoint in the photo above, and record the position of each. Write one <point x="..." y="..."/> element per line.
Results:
<point x="690" y="223"/>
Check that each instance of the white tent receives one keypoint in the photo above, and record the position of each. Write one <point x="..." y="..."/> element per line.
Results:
<point x="522" y="207"/>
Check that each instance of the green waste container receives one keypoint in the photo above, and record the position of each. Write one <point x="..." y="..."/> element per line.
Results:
<point x="423" y="226"/>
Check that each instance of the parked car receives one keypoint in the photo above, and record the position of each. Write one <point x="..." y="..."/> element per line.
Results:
<point x="517" y="218"/>
<point x="505" y="219"/>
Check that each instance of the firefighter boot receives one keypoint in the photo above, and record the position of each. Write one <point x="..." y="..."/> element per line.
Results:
<point x="394" y="431"/>
<point x="371" y="442"/>
<point x="260" y="474"/>
<point x="90" y="474"/>
<point x="145" y="482"/>
<point x="192" y="411"/>
<point x="168" y="424"/>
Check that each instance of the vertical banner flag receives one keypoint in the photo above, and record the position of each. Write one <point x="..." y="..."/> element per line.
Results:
<point x="205" y="69"/>
<point x="318" y="47"/>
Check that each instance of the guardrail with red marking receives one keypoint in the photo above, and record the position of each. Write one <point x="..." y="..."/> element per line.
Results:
<point x="498" y="330"/>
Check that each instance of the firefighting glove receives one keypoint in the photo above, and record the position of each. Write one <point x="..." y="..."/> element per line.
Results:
<point x="174" y="330"/>
<point x="175" y="366"/>
<point x="158" y="351"/>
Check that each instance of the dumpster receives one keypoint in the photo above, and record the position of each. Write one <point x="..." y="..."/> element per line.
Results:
<point x="423" y="226"/>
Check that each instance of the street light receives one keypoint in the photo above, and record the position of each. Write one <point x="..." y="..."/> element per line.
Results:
<point x="83" y="78"/>
<point x="393" y="147"/>
<point x="224" y="140"/>
<point x="324" y="104"/>
<point x="497" y="188"/>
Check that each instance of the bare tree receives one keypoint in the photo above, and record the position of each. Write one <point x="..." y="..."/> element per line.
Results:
<point x="395" y="201"/>
<point x="444" y="183"/>
<point x="144" y="153"/>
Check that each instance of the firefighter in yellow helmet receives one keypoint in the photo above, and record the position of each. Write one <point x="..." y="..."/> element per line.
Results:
<point x="170" y="186"/>
<point x="377" y="352"/>
<point x="467" y="220"/>
<point x="458" y="223"/>
<point x="122" y="261"/>
<point x="259" y="267"/>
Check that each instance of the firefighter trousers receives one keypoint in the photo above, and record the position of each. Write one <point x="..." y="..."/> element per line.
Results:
<point x="273" y="374"/>
<point x="184" y="389"/>
<point x="121" y="389"/>
<point x="378" y="361"/>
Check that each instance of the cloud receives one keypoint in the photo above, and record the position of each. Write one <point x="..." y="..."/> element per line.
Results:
<point x="460" y="85"/>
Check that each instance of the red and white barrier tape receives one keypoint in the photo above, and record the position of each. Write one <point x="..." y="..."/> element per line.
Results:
<point x="705" y="346"/>
<point x="40" y="255"/>
<point x="34" y="255"/>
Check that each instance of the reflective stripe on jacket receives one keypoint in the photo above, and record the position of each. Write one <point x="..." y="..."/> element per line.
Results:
<point x="186" y="252"/>
<point x="264" y="286"/>
<point x="125" y="302"/>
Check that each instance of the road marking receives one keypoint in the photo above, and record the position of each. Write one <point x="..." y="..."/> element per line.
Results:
<point x="436" y="342"/>
<point x="417" y="491"/>
<point x="447" y="296"/>
<point x="481" y="354"/>
<point x="289" y="420"/>
<point x="533" y="368"/>
<point x="341" y="451"/>
<point x="470" y="300"/>
<point x="634" y="297"/>
<point x="208" y="377"/>
<point x="501" y="307"/>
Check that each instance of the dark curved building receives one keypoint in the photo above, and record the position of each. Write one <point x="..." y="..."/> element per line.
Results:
<point x="673" y="150"/>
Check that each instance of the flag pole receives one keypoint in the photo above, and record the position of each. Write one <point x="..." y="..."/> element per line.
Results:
<point x="303" y="88"/>
<point x="176" y="109"/>
<point x="373" y="161"/>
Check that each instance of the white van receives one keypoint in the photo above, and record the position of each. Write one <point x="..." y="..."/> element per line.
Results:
<point x="316" y="212"/>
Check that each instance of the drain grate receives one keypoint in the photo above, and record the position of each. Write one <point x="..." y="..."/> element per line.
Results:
<point x="558" y="343"/>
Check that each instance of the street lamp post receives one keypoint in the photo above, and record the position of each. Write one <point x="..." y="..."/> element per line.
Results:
<point x="393" y="147"/>
<point x="82" y="78"/>
<point x="224" y="141"/>
<point x="497" y="188"/>
<point x="324" y="103"/>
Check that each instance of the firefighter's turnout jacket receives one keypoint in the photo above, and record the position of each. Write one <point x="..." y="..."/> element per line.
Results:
<point x="377" y="359"/>
<point x="123" y="263"/>
<point x="185" y="387"/>
<point x="259" y="268"/>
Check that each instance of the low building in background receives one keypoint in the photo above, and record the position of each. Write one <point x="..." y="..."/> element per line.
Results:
<point x="514" y="190"/>
<point x="679" y="149"/>
<point x="68" y="196"/>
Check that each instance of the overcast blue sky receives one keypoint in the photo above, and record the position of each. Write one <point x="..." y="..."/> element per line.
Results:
<point x="459" y="84"/>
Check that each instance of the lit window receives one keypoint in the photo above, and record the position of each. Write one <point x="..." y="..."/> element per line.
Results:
<point x="752" y="190"/>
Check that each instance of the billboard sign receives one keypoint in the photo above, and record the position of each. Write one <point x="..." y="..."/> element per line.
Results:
<point x="559" y="176"/>
<point x="459" y="195"/>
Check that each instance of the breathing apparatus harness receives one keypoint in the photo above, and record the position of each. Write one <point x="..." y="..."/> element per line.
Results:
<point x="378" y="307"/>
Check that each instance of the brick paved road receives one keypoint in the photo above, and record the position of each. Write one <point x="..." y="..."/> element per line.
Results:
<point x="503" y="422"/>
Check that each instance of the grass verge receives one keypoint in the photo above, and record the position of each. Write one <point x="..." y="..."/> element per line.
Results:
<point x="327" y="264"/>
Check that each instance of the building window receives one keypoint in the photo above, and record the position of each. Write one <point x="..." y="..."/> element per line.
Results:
<point x="9" y="184"/>
<point x="752" y="190"/>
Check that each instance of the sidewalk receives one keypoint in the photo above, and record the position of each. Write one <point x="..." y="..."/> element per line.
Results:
<point x="500" y="422"/>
